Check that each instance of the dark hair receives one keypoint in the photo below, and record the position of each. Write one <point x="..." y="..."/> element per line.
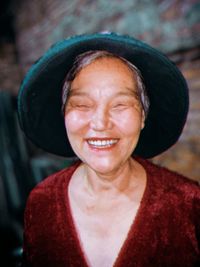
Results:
<point x="87" y="58"/>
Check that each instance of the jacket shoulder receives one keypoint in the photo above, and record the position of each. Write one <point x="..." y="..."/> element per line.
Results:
<point x="170" y="180"/>
<point x="51" y="184"/>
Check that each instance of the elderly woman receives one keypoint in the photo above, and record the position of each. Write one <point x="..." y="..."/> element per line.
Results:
<point x="122" y="101"/>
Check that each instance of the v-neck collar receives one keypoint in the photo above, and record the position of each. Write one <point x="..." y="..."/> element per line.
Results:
<point x="134" y="231"/>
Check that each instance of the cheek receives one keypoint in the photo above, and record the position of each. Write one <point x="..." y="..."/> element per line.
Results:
<point x="74" y="122"/>
<point x="129" y="123"/>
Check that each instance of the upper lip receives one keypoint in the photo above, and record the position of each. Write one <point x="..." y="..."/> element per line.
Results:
<point x="101" y="138"/>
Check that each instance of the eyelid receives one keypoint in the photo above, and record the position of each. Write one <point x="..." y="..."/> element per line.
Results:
<point x="126" y="98"/>
<point x="124" y="103"/>
<point x="120" y="104"/>
<point x="81" y="104"/>
<point x="86" y="105"/>
<point x="79" y="99"/>
<point x="121" y="101"/>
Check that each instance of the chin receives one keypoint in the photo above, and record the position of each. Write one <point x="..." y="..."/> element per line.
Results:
<point x="103" y="166"/>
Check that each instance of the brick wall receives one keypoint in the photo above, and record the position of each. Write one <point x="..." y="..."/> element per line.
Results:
<point x="172" y="26"/>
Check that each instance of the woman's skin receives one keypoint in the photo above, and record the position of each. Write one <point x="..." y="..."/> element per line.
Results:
<point x="103" y="119"/>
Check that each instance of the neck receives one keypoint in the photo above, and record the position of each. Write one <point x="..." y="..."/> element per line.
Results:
<point x="111" y="185"/>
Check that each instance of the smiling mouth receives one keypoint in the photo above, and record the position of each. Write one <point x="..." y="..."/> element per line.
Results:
<point x="104" y="143"/>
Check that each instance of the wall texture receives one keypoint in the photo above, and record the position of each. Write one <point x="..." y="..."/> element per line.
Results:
<point x="10" y="71"/>
<point x="184" y="156"/>
<point x="171" y="26"/>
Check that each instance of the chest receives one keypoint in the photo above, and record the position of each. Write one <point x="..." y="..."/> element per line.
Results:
<point x="102" y="235"/>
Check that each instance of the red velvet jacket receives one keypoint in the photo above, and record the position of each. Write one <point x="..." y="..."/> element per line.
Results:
<point x="165" y="233"/>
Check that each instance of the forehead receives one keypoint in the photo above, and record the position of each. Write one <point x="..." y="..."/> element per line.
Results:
<point x="104" y="77"/>
<point x="105" y="69"/>
<point x="106" y="62"/>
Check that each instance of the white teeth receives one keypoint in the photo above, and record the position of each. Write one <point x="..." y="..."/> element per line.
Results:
<point x="103" y="143"/>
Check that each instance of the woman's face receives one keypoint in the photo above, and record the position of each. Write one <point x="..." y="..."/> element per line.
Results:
<point x="103" y="116"/>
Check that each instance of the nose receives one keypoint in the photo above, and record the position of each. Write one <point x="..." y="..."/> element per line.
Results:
<point x="101" y="120"/>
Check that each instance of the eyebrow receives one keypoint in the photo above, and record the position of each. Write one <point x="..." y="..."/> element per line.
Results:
<point x="128" y="92"/>
<point x="76" y="92"/>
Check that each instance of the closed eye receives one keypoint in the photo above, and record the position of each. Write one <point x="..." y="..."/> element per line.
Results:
<point x="120" y="106"/>
<point x="82" y="106"/>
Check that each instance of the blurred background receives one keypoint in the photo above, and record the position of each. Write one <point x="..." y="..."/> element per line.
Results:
<point x="27" y="29"/>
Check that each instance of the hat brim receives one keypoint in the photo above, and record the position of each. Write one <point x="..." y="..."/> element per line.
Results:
<point x="39" y="99"/>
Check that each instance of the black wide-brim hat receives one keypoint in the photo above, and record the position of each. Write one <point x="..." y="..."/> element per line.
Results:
<point x="39" y="99"/>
